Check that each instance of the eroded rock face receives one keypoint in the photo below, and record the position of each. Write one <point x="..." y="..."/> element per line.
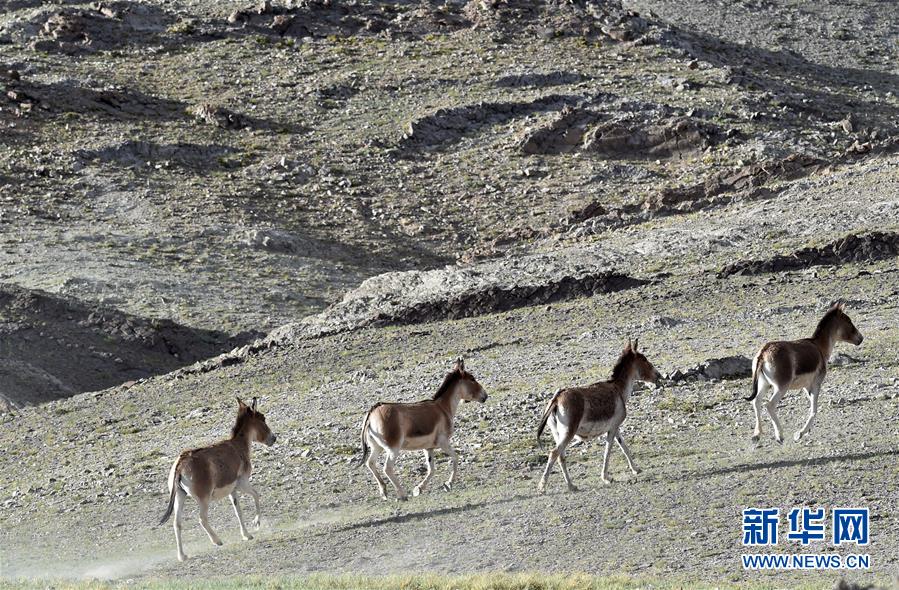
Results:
<point x="867" y="247"/>
<point x="634" y="135"/>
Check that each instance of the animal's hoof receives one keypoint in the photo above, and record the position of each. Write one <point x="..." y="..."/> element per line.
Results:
<point x="182" y="557"/>
<point x="247" y="537"/>
<point x="607" y="480"/>
<point x="402" y="498"/>
<point x="416" y="491"/>
<point x="779" y="439"/>
<point x="447" y="486"/>
<point x="572" y="488"/>
<point x="637" y="471"/>
<point x="218" y="542"/>
<point x="755" y="437"/>
<point x="797" y="436"/>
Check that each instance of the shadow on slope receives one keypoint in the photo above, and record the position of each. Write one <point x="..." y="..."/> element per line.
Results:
<point x="55" y="347"/>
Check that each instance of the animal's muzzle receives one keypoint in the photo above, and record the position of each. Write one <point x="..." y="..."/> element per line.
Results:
<point x="271" y="439"/>
<point x="859" y="339"/>
<point x="483" y="397"/>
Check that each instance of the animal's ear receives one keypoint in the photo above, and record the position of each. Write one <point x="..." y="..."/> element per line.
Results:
<point x="634" y="345"/>
<point x="240" y="403"/>
<point x="841" y="305"/>
<point x="253" y="407"/>
<point x="629" y="346"/>
<point x="460" y="364"/>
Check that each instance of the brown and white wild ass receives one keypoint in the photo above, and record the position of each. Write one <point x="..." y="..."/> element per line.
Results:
<point x="798" y="364"/>
<point x="594" y="410"/>
<point x="424" y="425"/>
<point x="223" y="469"/>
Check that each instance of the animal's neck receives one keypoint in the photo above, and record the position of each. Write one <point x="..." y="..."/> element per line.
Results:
<point x="824" y="339"/>
<point x="243" y="438"/>
<point x="625" y="382"/>
<point x="450" y="401"/>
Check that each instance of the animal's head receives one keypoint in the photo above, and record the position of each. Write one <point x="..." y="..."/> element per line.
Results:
<point x="252" y="421"/>
<point x="842" y="326"/>
<point x="643" y="369"/>
<point x="469" y="388"/>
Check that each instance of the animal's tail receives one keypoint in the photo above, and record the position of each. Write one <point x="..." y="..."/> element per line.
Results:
<point x="550" y="408"/>
<point x="176" y="483"/>
<point x="755" y="378"/>
<point x="365" y="448"/>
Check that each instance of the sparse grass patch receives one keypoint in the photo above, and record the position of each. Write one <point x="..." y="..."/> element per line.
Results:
<point x="524" y="581"/>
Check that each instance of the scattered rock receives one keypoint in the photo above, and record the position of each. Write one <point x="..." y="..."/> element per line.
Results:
<point x="272" y="240"/>
<point x="731" y="367"/>
<point x="841" y="359"/>
<point x="218" y="116"/>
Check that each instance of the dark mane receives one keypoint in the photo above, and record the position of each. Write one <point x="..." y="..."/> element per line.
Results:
<point x="618" y="371"/>
<point x="242" y="418"/>
<point x="825" y="323"/>
<point x="450" y="378"/>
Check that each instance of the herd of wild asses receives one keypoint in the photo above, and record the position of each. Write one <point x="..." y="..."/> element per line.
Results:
<point x="224" y="469"/>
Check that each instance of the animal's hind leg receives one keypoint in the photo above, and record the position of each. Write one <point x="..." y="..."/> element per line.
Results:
<point x="563" y="463"/>
<point x="390" y="472"/>
<point x="236" y="503"/>
<point x="627" y="453"/>
<point x="563" y="439"/>
<point x="429" y="461"/>
<point x="372" y="464"/>
<point x="180" y="496"/>
<point x="813" y="410"/>
<point x="204" y="521"/>
<point x="757" y="407"/>
<point x="605" y="457"/>
<point x="771" y="406"/>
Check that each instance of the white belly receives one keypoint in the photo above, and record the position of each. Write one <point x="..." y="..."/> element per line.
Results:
<point x="219" y="493"/>
<point x="418" y="443"/>
<point x="593" y="429"/>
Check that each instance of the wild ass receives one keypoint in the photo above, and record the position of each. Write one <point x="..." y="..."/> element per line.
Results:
<point x="223" y="469"/>
<point x="424" y="425"/>
<point x="588" y="412"/>
<point x="798" y="364"/>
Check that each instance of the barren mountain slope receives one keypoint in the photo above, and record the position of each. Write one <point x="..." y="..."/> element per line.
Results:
<point x="238" y="169"/>
<point x="94" y="472"/>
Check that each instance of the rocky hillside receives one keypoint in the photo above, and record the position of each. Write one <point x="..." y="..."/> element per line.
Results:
<point x="379" y="187"/>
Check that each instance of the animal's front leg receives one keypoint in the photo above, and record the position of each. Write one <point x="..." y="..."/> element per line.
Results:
<point x="627" y="454"/>
<point x="813" y="411"/>
<point x="236" y="504"/>
<point x="448" y="449"/>
<point x="245" y="486"/>
<point x="429" y="462"/>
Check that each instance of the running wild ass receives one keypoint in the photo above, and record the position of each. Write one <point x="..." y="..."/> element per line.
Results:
<point x="220" y="470"/>
<point x="424" y="426"/>
<point x="798" y="364"/>
<point x="588" y="412"/>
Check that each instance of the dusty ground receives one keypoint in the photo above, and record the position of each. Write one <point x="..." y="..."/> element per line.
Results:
<point x="707" y="178"/>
